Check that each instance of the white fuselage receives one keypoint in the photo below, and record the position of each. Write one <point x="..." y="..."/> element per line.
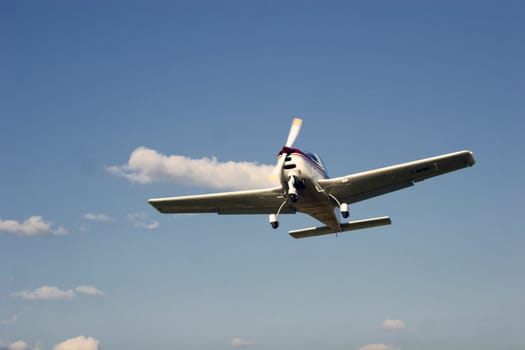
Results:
<point x="300" y="174"/>
<point x="300" y="165"/>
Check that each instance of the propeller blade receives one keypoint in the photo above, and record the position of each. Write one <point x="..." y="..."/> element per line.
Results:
<point x="292" y="135"/>
<point x="278" y="167"/>
<point x="294" y="131"/>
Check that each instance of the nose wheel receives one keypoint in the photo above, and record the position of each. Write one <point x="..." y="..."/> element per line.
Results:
<point x="292" y="197"/>
<point x="292" y="190"/>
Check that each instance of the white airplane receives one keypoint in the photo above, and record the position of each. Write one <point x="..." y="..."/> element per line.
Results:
<point x="306" y="188"/>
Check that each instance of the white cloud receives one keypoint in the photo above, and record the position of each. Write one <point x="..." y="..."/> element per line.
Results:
<point x="142" y="220"/>
<point x="151" y="226"/>
<point x="242" y="342"/>
<point x="78" y="343"/>
<point x="54" y="293"/>
<point x="18" y="345"/>
<point x="97" y="217"/>
<point x="393" y="325"/>
<point x="147" y="165"/>
<point x="34" y="226"/>
<point x="11" y="320"/>
<point x="89" y="290"/>
<point x="45" y="293"/>
<point x="379" y="347"/>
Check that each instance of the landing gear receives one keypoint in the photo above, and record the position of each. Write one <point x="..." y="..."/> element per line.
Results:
<point x="292" y="191"/>
<point x="344" y="210"/>
<point x="343" y="207"/>
<point x="274" y="218"/>
<point x="292" y="196"/>
<point x="274" y="221"/>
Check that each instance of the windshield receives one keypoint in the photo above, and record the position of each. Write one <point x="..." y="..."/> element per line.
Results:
<point x="315" y="158"/>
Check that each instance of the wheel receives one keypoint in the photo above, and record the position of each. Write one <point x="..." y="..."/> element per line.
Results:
<point x="344" y="210"/>
<point x="293" y="197"/>
<point x="274" y="220"/>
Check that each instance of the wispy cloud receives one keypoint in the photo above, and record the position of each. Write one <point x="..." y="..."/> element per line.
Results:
<point x="34" y="226"/>
<point x="11" y="320"/>
<point x="242" y="342"/>
<point x="18" y="345"/>
<point x="379" y="347"/>
<point x="142" y="220"/>
<point x="78" y="343"/>
<point x="89" y="290"/>
<point x="97" y="217"/>
<point x="393" y="325"/>
<point x="45" y="293"/>
<point x="147" y="165"/>
<point x="55" y="293"/>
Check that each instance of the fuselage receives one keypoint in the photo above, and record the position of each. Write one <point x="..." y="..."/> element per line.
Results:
<point x="303" y="170"/>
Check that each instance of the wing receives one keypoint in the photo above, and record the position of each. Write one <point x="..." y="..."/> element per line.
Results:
<point x="266" y="201"/>
<point x="361" y="186"/>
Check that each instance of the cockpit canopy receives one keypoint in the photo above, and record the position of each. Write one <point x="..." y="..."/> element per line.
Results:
<point x="315" y="157"/>
<point x="310" y="155"/>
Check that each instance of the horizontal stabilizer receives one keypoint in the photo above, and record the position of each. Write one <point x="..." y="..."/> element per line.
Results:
<point x="350" y="226"/>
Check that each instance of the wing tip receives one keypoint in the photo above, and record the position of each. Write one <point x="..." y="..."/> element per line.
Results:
<point x="470" y="158"/>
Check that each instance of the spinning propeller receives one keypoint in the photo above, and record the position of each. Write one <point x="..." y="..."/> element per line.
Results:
<point x="292" y="135"/>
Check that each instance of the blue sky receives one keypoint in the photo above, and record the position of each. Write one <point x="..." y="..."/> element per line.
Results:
<point x="85" y="261"/>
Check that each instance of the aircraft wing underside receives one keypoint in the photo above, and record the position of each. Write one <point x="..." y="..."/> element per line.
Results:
<point x="357" y="187"/>
<point x="265" y="201"/>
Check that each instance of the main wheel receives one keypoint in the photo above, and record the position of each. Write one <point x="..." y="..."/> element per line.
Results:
<point x="344" y="210"/>
<point x="274" y="224"/>
<point x="293" y="197"/>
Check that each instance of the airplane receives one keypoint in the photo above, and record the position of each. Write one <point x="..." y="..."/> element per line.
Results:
<point x="306" y="188"/>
